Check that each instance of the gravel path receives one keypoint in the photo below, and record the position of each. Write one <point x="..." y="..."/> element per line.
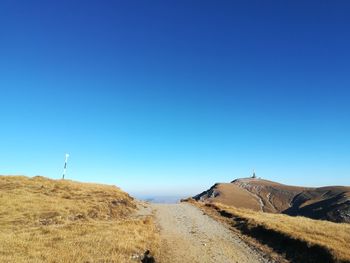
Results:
<point x="190" y="236"/>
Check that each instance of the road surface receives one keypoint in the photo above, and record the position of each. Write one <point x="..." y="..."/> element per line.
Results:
<point x="188" y="235"/>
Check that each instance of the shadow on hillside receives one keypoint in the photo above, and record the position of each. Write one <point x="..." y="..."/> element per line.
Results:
<point x="328" y="209"/>
<point x="295" y="251"/>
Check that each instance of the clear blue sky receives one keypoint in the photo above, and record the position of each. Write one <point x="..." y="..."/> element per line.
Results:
<point x="169" y="97"/>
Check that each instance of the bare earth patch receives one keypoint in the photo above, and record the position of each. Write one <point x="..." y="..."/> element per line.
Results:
<point x="187" y="235"/>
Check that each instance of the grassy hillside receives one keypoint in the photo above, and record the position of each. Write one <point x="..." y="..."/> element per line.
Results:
<point x="301" y="239"/>
<point x="330" y="203"/>
<point x="45" y="220"/>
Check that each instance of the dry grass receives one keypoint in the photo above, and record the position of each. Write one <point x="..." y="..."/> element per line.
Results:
<point x="45" y="220"/>
<point x="334" y="237"/>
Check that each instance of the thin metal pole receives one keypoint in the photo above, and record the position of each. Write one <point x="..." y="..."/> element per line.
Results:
<point x="65" y="165"/>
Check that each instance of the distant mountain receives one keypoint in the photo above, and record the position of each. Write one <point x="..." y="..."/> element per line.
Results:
<point x="328" y="203"/>
<point x="161" y="199"/>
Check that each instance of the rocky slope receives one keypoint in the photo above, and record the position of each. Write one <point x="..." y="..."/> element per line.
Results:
<point x="329" y="203"/>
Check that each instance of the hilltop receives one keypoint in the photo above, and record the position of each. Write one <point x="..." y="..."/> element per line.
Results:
<point x="44" y="220"/>
<point x="328" y="203"/>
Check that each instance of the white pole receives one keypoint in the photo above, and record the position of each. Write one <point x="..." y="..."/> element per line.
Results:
<point x="65" y="165"/>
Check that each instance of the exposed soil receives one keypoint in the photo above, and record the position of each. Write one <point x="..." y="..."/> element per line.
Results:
<point x="188" y="235"/>
<point x="280" y="246"/>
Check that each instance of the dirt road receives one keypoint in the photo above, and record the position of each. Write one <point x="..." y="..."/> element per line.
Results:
<point x="190" y="236"/>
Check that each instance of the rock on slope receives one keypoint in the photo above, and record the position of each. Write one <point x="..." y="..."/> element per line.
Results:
<point x="328" y="203"/>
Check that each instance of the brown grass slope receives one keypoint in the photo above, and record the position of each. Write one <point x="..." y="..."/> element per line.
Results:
<point x="329" y="203"/>
<point x="300" y="239"/>
<point x="45" y="220"/>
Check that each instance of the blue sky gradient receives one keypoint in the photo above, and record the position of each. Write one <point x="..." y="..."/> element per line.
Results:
<point x="169" y="97"/>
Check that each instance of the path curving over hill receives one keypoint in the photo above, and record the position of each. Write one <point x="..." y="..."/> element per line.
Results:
<point x="327" y="203"/>
<point x="187" y="235"/>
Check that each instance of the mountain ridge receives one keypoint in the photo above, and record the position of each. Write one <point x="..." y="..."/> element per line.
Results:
<point x="327" y="203"/>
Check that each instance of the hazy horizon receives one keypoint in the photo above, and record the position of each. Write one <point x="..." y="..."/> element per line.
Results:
<point x="168" y="98"/>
